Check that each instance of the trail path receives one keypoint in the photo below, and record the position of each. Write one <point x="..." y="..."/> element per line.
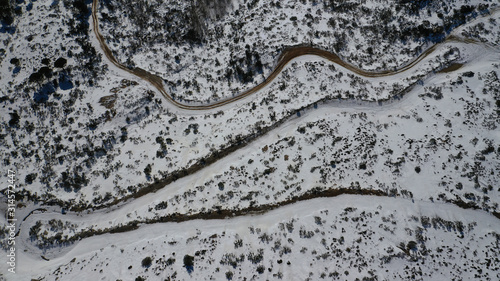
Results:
<point x="286" y="57"/>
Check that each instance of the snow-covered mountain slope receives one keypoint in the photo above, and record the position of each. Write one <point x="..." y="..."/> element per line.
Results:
<point x="80" y="133"/>
<point x="105" y="165"/>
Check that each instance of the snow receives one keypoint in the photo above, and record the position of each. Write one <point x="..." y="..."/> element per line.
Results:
<point x="114" y="253"/>
<point x="425" y="138"/>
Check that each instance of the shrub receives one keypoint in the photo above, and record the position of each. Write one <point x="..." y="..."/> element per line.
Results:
<point x="362" y="166"/>
<point x="189" y="263"/>
<point x="260" y="269"/>
<point x="146" y="262"/>
<point x="30" y="178"/>
<point x="170" y="261"/>
<point x="60" y="63"/>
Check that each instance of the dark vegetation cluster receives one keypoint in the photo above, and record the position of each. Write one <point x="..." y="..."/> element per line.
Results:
<point x="56" y="81"/>
<point x="8" y="11"/>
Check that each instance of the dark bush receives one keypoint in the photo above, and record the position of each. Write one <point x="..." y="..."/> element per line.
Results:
<point x="412" y="246"/>
<point x="260" y="269"/>
<point x="146" y="262"/>
<point x="36" y="77"/>
<point x="170" y="261"/>
<point x="30" y="178"/>
<point x="60" y="63"/>
<point x="161" y="206"/>
<point x="14" y="119"/>
<point x="45" y="71"/>
<point x="468" y="74"/>
<point x="147" y="171"/>
<point x="6" y="12"/>
<point x="189" y="263"/>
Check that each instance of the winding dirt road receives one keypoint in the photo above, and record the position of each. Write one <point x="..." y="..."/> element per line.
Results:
<point x="288" y="55"/>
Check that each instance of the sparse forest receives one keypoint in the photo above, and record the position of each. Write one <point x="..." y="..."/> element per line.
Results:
<point x="384" y="171"/>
